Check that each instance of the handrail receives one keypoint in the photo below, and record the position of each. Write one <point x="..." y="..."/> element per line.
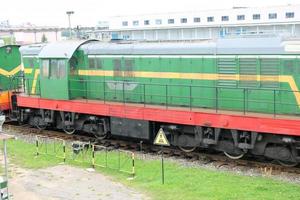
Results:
<point x="192" y="96"/>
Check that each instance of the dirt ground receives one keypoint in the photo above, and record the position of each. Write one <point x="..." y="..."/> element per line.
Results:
<point x="67" y="183"/>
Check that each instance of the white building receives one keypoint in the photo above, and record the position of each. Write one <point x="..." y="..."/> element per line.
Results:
<point x="209" y="24"/>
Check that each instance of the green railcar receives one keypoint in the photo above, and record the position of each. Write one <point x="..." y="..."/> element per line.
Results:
<point x="245" y="75"/>
<point x="10" y="67"/>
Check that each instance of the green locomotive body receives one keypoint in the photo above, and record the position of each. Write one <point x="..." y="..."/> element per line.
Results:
<point x="256" y="76"/>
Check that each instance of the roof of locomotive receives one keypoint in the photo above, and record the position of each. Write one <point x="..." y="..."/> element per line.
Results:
<point x="62" y="49"/>
<point x="9" y="45"/>
<point x="32" y="49"/>
<point x="229" y="46"/>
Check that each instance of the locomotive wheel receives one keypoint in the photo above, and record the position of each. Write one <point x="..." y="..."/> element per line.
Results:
<point x="187" y="149"/>
<point x="234" y="156"/>
<point x="41" y="127"/>
<point x="287" y="163"/>
<point x="69" y="130"/>
<point x="38" y="125"/>
<point x="100" y="136"/>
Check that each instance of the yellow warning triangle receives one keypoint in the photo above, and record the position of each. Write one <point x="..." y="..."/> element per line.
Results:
<point x="161" y="138"/>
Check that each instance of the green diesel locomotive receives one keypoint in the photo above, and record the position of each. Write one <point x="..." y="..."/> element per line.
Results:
<point x="235" y="95"/>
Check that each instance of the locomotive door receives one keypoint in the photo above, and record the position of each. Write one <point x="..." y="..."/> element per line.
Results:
<point x="116" y="85"/>
<point x="54" y="79"/>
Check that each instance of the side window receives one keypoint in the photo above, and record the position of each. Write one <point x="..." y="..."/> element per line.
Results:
<point x="92" y="63"/>
<point x="117" y="67"/>
<point x="45" y="68"/>
<point x="99" y="63"/>
<point x="62" y="69"/>
<point x="54" y="68"/>
<point x="128" y="67"/>
<point x="31" y="62"/>
<point x="129" y="64"/>
<point x="57" y="68"/>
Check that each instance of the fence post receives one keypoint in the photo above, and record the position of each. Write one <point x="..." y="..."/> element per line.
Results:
<point x="93" y="156"/>
<point x="106" y="157"/>
<point x="37" y="145"/>
<point x="133" y="167"/>
<point x="64" y="150"/>
<point x="119" y="160"/>
<point x="46" y="145"/>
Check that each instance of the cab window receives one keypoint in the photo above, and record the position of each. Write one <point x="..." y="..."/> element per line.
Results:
<point x="45" y="68"/>
<point x="57" y="68"/>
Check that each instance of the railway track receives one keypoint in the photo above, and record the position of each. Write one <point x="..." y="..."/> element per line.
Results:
<point x="215" y="158"/>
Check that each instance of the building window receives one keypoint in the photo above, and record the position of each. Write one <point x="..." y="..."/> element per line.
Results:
<point x="240" y="17"/>
<point x="210" y="19"/>
<point x="171" y="21"/>
<point x="256" y="16"/>
<point x="272" y="15"/>
<point x="289" y="15"/>
<point x="197" y="19"/>
<point x="158" y="21"/>
<point x="183" y="20"/>
<point x="146" y="22"/>
<point x="125" y="23"/>
<point x="135" y="23"/>
<point x="225" y="18"/>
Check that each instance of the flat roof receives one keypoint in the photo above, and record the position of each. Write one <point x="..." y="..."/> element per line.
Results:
<point x="242" y="46"/>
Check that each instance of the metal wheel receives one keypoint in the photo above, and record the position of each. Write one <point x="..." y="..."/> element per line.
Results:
<point x="69" y="130"/>
<point x="234" y="156"/>
<point x="100" y="136"/>
<point x="187" y="149"/>
<point x="41" y="127"/>
<point x="39" y="123"/>
<point x="287" y="163"/>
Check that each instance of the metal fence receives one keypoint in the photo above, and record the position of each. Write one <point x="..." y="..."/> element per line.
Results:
<point x="85" y="152"/>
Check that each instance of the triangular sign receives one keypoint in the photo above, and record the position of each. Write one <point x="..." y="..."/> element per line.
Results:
<point x="161" y="138"/>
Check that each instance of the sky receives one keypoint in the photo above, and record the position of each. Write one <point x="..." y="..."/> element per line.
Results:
<point x="89" y="12"/>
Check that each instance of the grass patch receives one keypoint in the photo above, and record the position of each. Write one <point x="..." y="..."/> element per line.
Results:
<point x="180" y="182"/>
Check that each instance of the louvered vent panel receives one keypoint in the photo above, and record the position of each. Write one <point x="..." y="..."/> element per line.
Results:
<point x="248" y="72"/>
<point x="269" y="70"/>
<point x="226" y="71"/>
